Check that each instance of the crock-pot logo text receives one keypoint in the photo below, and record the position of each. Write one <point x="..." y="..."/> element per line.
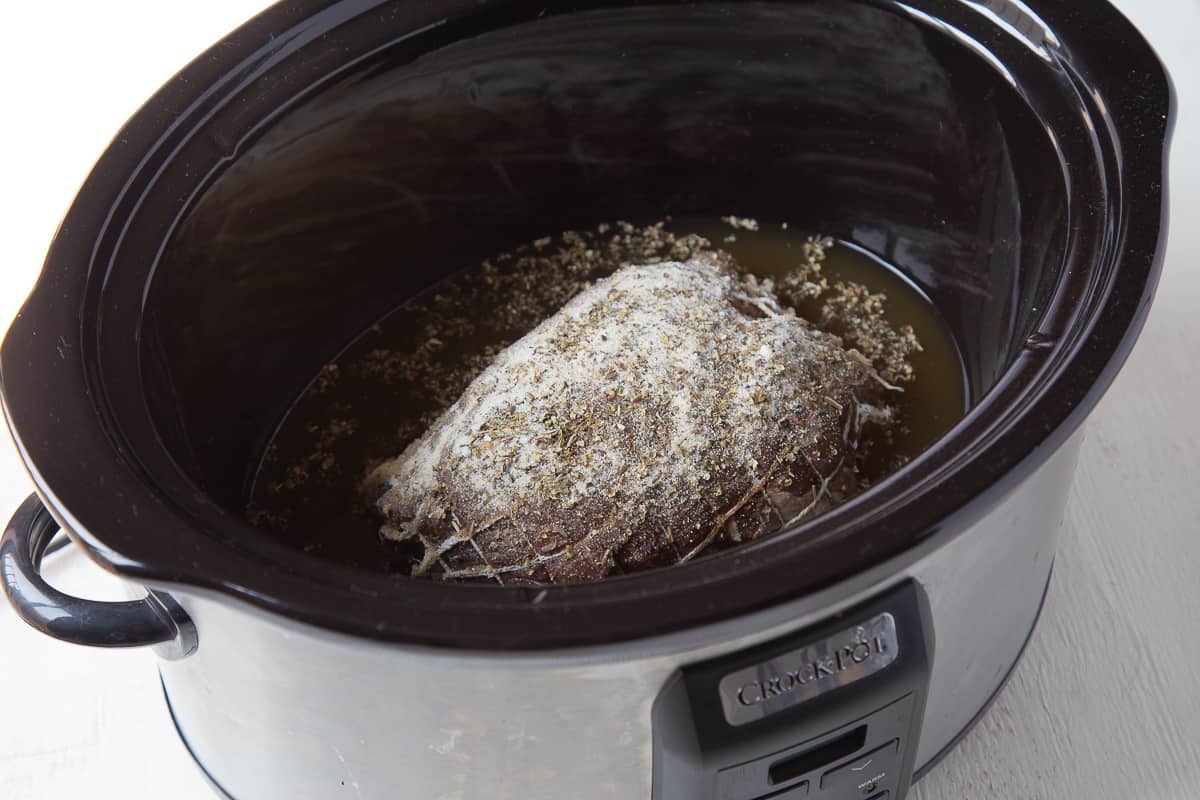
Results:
<point x="858" y="653"/>
<point x="801" y="674"/>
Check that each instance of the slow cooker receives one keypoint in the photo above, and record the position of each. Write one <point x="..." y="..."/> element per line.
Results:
<point x="328" y="160"/>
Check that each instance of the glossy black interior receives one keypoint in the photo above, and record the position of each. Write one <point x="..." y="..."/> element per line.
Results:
<point x="838" y="117"/>
<point x="327" y="159"/>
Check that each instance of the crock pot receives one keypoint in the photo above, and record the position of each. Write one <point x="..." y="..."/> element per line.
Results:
<point x="328" y="160"/>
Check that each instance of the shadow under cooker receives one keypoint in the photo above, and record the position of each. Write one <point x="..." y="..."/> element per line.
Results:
<point x="324" y="163"/>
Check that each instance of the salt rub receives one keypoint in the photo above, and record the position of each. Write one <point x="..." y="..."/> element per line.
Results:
<point x="664" y="411"/>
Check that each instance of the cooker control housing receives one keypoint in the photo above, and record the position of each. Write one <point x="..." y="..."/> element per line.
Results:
<point x="832" y="712"/>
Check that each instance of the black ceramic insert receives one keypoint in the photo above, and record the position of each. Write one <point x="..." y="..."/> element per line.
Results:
<point x="328" y="160"/>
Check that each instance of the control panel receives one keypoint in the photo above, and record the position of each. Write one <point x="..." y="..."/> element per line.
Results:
<point x="832" y="712"/>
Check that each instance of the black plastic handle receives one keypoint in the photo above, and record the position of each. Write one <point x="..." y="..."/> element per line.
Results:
<point x="154" y="620"/>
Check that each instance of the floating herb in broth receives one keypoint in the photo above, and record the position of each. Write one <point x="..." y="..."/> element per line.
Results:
<point x="397" y="377"/>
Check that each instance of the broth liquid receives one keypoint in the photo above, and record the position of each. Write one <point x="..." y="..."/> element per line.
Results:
<point x="366" y="406"/>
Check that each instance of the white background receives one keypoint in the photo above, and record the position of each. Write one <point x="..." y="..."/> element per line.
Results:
<point x="1105" y="705"/>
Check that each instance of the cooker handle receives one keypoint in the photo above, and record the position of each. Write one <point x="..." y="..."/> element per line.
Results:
<point x="154" y="620"/>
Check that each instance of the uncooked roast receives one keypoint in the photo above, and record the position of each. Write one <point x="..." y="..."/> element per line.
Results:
<point x="664" y="411"/>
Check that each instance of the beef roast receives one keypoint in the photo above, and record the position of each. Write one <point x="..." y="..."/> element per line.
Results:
<point x="664" y="411"/>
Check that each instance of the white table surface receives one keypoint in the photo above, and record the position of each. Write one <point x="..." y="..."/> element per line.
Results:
<point x="1106" y="703"/>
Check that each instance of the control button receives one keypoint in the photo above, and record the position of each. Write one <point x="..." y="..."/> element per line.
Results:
<point x="866" y="773"/>
<point x="790" y="793"/>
